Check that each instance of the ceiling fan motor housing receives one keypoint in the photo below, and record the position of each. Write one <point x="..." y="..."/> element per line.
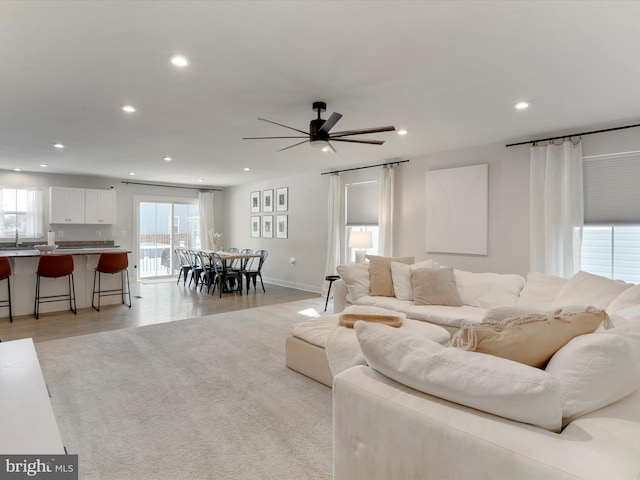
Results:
<point x="314" y="130"/>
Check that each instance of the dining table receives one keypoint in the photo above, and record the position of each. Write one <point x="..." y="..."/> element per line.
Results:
<point x="228" y="257"/>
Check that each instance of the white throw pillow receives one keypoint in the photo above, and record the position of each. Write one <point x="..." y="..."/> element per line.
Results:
<point x="596" y="369"/>
<point x="356" y="278"/>
<point x="484" y="382"/>
<point x="540" y="290"/>
<point x="628" y="298"/>
<point x="589" y="289"/>
<point x="488" y="290"/>
<point x="401" y="276"/>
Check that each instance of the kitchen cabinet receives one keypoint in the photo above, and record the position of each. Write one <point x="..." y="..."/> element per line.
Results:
<point x="100" y="206"/>
<point x="66" y="205"/>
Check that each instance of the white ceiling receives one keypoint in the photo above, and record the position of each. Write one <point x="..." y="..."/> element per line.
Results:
<point x="449" y="72"/>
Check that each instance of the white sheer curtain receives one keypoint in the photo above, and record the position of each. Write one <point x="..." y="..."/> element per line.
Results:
<point x="556" y="208"/>
<point x="21" y="209"/>
<point x="385" y="212"/>
<point x="333" y="229"/>
<point x="207" y="224"/>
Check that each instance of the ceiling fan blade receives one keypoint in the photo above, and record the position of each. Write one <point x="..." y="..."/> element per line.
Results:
<point x="262" y="138"/>
<point x="291" y="146"/>
<point x="330" y="122"/>
<point x="279" y="124"/>
<point x="329" y="148"/>
<point x="363" y="131"/>
<point x="350" y="140"/>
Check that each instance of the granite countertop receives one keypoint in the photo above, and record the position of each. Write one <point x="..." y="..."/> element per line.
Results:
<point x="27" y="251"/>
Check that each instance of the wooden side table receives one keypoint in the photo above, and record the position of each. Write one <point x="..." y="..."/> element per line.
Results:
<point x="330" y="279"/>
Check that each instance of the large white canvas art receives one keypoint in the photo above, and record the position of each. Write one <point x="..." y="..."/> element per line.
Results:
<point x="458" y="210"/>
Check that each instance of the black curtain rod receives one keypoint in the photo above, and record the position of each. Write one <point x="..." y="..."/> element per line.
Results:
<point x="362" y="168"/>
<point x="573" y="135"/>
<point x="173" y="186"/>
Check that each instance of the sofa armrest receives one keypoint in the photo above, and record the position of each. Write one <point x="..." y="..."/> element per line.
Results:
<point x="383" y="429"/>
<point x="339" y="296"/>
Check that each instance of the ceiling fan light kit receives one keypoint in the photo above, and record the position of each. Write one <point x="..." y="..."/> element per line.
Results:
<point x="320" y="134"/>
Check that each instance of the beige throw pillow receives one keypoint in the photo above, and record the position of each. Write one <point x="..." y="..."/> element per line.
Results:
<point x="435" y="286"/>
<point x="531" y="339"/>
<point x="380" y="274"/>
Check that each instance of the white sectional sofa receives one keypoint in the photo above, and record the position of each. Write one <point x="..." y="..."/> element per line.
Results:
<point x="418" y="409"/>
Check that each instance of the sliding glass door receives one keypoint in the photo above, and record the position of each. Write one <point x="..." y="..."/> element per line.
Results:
<point x="162" y="226"/>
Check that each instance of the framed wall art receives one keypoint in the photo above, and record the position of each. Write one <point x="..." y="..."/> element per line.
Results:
<point x="255" y="202"/>
<point x="255" y="226"/>
<point x="267" y="226"/>
<point x="267" y="201"/>
<point x="282" y="226"/>
<point x="282" y="199"/>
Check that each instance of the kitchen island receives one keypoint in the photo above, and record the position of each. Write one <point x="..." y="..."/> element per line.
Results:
<point x="24" y="263"/>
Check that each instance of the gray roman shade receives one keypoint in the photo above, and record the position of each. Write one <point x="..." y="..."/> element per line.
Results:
<point x="363" y="203"/>
<point x="612" y="188"/>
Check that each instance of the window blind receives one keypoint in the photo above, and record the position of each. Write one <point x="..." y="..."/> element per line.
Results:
<point x="363" y="203"/>
<point x="611" y="188"/>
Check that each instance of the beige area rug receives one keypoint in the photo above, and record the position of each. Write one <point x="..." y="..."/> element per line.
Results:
<point x="204" y="398"/>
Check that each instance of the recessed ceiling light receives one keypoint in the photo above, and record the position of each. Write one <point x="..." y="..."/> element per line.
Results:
<point x="180" y="60"/>
<point x="43" y="165"/>
<point x="17" y="169"/>
<point x="129" y="108"/>
<point x="132" y="173"/>
<point x="522" y="105"/>
<point x="402" y="131"/>
<point x="167" y="159"/>
<point x="58" y="145"/>
<point x="247" y="169"/>
<point x="201" y="179"/>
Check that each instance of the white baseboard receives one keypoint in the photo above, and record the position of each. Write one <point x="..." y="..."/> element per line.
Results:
<point x="299" y="286"/>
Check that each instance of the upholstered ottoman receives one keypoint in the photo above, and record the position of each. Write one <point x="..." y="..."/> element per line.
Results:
<point x="305" y="349"/>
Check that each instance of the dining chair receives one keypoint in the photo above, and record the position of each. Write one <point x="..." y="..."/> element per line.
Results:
<point x="233" y="264"/>
<point x="254" y="274"/>
<point x="112" y="263"/>
<point x="5" y="273"/>
<point x="196" y="266"/>
<point x="225" y="278"/>
<point x="208" y="273"/>
<point x="55" y="266"/>
<point x="185" y="265"/>
<point x="244" y="262"/>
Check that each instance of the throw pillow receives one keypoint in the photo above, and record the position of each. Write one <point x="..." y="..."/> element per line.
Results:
<point x="491" y="384"/>
<point x="401" y="277"/>
<point x="596" y="370"/>
<point x="380" y="274"/>
<point x="356" y="278"/>
<point x="435" y="286"/>
<point x="540" y="290"/>
<point x="589" y="289"/>
<point x="488" y="289"/>
<point x="628" y="298"/>
<point x="531" y="339"/>
<point x="352" y="314"/>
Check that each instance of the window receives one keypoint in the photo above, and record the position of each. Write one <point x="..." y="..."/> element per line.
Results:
<point x="362" y="202"/>
<point x="611" y="235"/>
<point x="21" y="211"/>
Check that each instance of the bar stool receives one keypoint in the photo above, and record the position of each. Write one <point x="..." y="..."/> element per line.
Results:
<point x="111" y="263"/>
<point x="5" y="272"/>
<point x="55" y="266"/>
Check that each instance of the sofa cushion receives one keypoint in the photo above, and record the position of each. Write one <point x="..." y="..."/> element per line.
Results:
<point x="589" y="289"/>
<point x="380" y="274"/>
<point x="391" y="303"/>
<point x="435" y="286"/>
<point x="483" y="382"/>
<point x="315" y="330"/>
<point x="488" y="290"/>
<point x="401" y="276"/>
<point x="446" y="316"/>
<point x="596" y="370"/>
<point x="628" y="298"/>
<point x="531" y="338"/>
<point x="540" y="290"/>
<point x="356" y="278"/>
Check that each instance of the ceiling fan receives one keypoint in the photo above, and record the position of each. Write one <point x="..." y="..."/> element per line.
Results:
<point x="320" y="133"/>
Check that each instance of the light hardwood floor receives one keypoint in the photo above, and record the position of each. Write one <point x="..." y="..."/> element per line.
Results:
<point x="152" y="302"/>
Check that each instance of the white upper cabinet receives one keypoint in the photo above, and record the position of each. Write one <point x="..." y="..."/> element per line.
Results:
<point x="82" y="206"/>
<point x="66" y="205"/>
<point x="100" y="206"/>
